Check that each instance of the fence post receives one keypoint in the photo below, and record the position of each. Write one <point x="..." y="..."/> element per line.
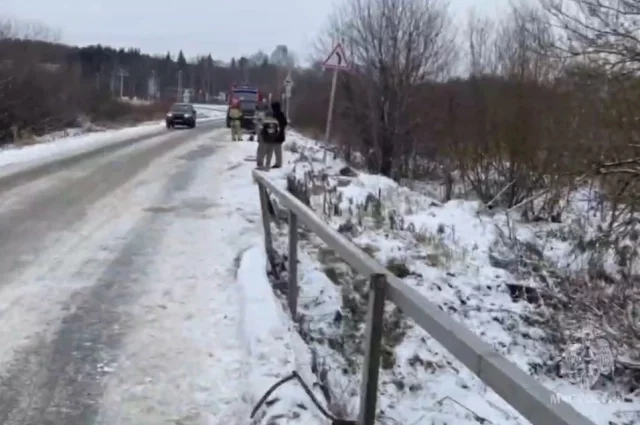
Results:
<point x="292" y="291"/>
<point x="372" y="350"/>
<point x="264" y="205"/>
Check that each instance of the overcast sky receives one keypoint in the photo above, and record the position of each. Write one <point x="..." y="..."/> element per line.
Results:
<point x="224" y="28"/>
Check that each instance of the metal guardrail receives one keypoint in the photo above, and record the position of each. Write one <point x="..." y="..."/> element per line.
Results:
<point x="537" y="404"/>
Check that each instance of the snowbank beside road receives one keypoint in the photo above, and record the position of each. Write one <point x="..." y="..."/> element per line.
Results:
<point x="210" y="107"/>
<point x="211" y="111"/>
<point x="74" y="139"/>
<point x="63" y="145"/>
<point x="275" y="349"/>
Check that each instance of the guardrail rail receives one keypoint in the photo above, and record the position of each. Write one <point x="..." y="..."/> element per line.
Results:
<point x="523" y="392"/>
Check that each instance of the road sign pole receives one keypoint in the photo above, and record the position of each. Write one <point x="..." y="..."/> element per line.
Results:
<point x="332" y="96"/>
<point x="287" y="99"/>
<point x="288" y="84"/>
<point x="287" y="107"/>
<point x="337" y="61"/>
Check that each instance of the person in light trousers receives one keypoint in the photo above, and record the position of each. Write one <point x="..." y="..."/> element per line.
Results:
<point x="235" y="115"/>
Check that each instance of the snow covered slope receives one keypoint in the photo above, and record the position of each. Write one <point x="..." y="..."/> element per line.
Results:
<point x="470" y="261"/>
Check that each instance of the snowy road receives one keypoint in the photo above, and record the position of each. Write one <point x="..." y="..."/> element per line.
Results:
<point x="117" y="303"/>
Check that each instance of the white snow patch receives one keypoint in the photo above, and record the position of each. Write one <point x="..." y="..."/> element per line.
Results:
<point x="447" y="253"/>
<point x="275" y="348"/>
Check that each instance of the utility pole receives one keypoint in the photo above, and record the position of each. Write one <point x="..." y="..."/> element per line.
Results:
<point x="122" y="74"/>
<point x="179" y="96"/>
<point x="192" y="82"/>
<point x="121" y="84"/>
<point x="288" y="84"/>
<point x="151" y="86"/>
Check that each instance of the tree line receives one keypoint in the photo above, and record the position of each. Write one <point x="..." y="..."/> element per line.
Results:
<point x="47" y="86"/>
<point x="203" y="75"/>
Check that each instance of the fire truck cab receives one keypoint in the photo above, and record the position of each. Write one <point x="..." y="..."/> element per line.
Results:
<point x="249" y="98"/>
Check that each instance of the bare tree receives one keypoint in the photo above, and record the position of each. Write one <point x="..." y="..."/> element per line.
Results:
<point x="604" y="31"/>
<point x="511" y="138"/>
<point x="396" y="46"/>
<point x="27" y="30"/>
<point x="480" y="35"/>
<point x="603" y="36"/>
<point x="525" y="48"/>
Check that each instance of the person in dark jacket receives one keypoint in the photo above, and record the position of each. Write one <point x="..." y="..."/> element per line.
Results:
<point x="276" y="110"/>
<point x="267" y="134"/>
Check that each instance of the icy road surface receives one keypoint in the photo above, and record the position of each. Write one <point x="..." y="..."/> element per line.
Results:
<point x="117" y="296"/>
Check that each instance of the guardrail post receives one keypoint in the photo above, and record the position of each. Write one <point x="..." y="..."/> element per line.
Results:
<point x="372" y="350"/>
<point x="264" y="205"/>
<point x="292" y="291"/>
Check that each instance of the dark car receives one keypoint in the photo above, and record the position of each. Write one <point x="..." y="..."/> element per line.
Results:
<point x="181" y="114"/>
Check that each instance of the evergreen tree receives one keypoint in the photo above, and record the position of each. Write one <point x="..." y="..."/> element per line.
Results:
<point x="182" y="62"/>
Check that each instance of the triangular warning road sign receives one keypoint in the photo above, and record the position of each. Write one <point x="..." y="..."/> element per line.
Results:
<point x="337" y="59"/>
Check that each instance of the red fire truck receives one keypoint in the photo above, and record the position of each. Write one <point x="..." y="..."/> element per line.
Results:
<point x="249" y="97"/>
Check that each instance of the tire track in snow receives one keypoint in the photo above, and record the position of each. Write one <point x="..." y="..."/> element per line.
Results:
<point x="186" y="361"/>
<point x="67" y="199"/>
<point x="61" y="382"/>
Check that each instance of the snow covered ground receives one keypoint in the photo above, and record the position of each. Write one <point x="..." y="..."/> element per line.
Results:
<point x="449" y="252"/>
<point x="220" y="337"/>
<point x="210" y="107"/>
<point x="188" y="361"/>
<point x="207" y="334"/>
<point x="71" y="140"/>
<point x="145" y="309"/>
